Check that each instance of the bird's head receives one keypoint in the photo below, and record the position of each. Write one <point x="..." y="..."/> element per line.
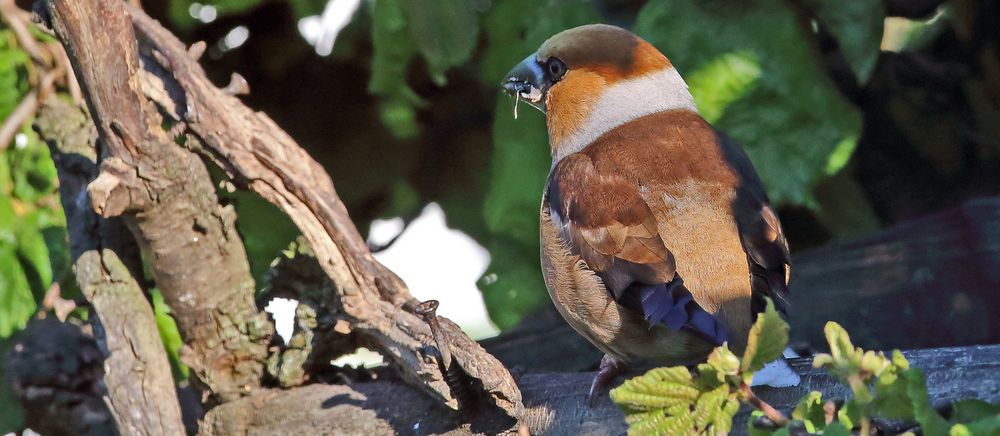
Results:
<point x="591" y="79"/>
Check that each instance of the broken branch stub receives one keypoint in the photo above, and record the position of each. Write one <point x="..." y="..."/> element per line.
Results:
<point x="168" y="201"/>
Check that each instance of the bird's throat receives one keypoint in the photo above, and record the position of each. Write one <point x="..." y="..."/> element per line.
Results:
<point x="583" y="108"/>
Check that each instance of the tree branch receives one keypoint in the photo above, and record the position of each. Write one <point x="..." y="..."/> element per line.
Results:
<point x="168" y="201"/>
<point x="257" y="154"/>
<point x="140" y="387"/>
<point x="554" y="402"/>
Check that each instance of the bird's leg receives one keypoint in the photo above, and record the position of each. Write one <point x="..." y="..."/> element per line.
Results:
<point x="609" y="370"/>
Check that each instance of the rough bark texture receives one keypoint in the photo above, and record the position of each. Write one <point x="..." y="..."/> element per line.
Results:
<point x="140" y="387"/>
<point x="168" y="201"/>
<point x="553" y="402"/>
<point x="256" y="153"/>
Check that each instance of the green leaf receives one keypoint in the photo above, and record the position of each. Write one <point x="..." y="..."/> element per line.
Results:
<point x="512" y="285"/>
<point x="34" y="175"/>
<point x="394" y="47"/>
<point x="445" y="32"/>
<point x="930" y="422"/>
<point x="722" y="81"/>
<point x="768" y="338"/>
<point x="708" y="406"/>
<point x="520" y="161"/>
<point x="810" y="411"/>
<point x="989" y="426"/>
<point x="657" y="389"/>
<point x="849" y="414"/>
<point x="17" y="303"/>
<point x="33" y="253"/>
<point x="169" y="334"/>
<point x="836" y="429"/>
<point x="892" y="398"/>
<point x="264" y="228"/>
<point x="723" y="362"/>
<point x="857" y="27"/>
<point x="792" y="118"/>
<point x="965" y="411"/>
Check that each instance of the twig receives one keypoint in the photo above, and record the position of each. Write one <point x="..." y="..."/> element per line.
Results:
<point x="13" y="123"/>
<point x="16" y="19"/>
<point x="770" y="412"/>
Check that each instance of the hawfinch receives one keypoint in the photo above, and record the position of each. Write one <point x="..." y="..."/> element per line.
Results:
<point x="658" y="242"/>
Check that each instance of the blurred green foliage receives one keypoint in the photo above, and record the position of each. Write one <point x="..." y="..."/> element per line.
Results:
<point x="33" y="249"/>
<point x="751" y="66"/>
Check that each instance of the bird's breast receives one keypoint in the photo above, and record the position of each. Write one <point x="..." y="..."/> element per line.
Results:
<point x="582" y="300"/>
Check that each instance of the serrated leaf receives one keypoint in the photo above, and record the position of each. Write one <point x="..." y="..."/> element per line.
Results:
<point x="657" y="389"/>
<point x="724" y="420"/>
<point x="708" y="407"/>
<point x="857" y="27"/>
<point x="768" y="338"/>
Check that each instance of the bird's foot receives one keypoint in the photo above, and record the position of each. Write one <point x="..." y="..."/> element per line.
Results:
<point x="609" y="370"/>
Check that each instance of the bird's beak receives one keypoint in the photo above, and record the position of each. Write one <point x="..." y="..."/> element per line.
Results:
<point x="527" y="81"/>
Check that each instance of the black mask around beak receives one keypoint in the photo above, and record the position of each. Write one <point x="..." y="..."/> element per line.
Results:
<point x="531" y="79"/>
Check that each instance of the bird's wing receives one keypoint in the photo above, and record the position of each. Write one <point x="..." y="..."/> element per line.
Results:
<point x="604" y="219"/>
<point x="760" y="232"/>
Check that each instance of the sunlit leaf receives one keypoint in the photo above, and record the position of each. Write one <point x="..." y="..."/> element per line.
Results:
<point x="169" y="334"/>
<point x="721" y="81"/>
<point x="768" y="338"/>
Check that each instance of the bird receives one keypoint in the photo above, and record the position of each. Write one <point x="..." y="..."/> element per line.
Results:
<point x="658" y="241"/>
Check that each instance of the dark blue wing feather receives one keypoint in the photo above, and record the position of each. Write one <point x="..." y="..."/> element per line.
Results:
<point x="672" y="305"/>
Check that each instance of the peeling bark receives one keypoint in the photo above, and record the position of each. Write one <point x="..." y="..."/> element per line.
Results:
<point x="257" y="154"/>
<point x="167" y="199"/>
<point x="140" y="387"/>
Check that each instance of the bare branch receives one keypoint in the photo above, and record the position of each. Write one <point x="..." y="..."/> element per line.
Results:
<point x="141" y="392"/>
<point x="258" y="154"/>
<point x="168" y="202"/>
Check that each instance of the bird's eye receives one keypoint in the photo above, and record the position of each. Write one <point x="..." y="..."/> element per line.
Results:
<point x="556" y="68"/>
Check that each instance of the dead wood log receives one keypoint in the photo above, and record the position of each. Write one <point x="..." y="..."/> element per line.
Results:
<point x="553" y="402"/>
